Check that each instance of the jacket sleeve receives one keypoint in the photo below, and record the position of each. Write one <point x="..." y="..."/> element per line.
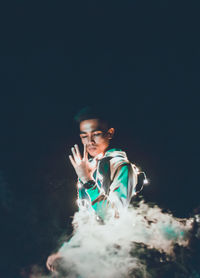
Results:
<point x="122" y="186"/>
<point x="98" y="200"/>
<point x="120" y="192"/>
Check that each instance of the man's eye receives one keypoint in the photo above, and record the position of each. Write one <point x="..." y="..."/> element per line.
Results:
<point x="83" y="136"/>
<point x="97" y="134"/>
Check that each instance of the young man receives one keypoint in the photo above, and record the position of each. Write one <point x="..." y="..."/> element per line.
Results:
<point x="106" y="180"/>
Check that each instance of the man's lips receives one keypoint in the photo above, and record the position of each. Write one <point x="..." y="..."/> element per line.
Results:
<point x="91" y="148"/>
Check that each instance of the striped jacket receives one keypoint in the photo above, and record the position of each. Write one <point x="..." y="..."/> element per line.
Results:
<point x="116" y="180"/>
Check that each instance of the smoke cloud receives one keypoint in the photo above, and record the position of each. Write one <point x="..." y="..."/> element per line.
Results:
<point x="133" y="245"/>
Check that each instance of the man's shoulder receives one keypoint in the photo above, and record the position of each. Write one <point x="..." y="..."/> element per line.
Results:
<point x="118" y="158"/>
<point x="116" y="152"/>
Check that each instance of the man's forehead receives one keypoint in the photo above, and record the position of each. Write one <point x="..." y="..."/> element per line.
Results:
<point x="91" y="125"/>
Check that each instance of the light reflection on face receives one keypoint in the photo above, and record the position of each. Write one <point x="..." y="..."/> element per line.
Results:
<point x="95" y="135"/>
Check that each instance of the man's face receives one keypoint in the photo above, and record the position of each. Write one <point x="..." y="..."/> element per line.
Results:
<point x="94" y="134"/>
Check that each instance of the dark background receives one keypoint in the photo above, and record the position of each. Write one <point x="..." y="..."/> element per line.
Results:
<point x="140" y="57"/>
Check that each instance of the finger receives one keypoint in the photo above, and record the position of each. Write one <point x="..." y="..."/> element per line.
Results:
<point x="72" y="161"/>
<point x="48" y="263"/>
<point x="75" y="155"/>
<point x="85" y="153"/>
<point x="77" y="151"/>
<point x="47" y="266"/>
<point x="52" y="268"/>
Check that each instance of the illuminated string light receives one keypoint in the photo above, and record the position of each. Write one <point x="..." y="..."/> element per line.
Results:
<point x="79" y="185"/>
<point x="82" y="203"/>
<point x="145" y="181"/>
<point x="137" y="169"/>
<point x="102" y="191"/>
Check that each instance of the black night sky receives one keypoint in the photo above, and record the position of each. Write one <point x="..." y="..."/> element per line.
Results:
<point x="140" y="57"/>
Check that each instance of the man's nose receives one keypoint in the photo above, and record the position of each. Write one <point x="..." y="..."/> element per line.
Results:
<point x="90" y="139"/>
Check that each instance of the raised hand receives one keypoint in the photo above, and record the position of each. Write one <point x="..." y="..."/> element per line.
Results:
<point x="81" y="165"/>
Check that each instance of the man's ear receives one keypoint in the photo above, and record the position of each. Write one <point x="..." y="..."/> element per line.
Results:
<point x="111" y="132"/>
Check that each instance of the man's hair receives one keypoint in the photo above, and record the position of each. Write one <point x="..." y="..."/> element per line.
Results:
<point x="94" y="112"/>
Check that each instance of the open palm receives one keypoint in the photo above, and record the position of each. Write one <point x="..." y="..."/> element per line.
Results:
<point x="82" y="166"/>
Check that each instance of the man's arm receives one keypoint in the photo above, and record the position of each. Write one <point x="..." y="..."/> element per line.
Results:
<point x="120" y="191"/>
<point x="122" y="186"/>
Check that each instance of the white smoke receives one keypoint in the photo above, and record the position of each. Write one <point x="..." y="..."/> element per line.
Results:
<point x="113" y="249"/>
<point x="106" y="250"/>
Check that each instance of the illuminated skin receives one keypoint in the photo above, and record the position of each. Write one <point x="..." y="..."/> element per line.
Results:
<point x="94" y="134"/>
<point x="96" y="139"/>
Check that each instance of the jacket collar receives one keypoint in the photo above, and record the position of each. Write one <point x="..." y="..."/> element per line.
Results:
<point x="114" y="152"/>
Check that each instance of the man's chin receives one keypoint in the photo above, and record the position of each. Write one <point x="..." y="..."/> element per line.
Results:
<point x="93" y="153"/>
